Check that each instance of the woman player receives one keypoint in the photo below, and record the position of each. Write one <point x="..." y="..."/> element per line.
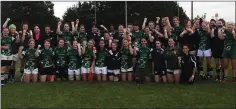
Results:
<point x="114" y="63"/>
<point x="30" y="60"/>
<point x="74" y="61"/>
<point x="142" y="68"/>
<point x="172" y="57"/>
<point x="101" y="63"/>
<point x="88" y="59"/>
<point x="6" y="55"/>
<point x="188" y="66"/>
<point x="229" y="52"/>
<point x="126" y="60"/>
<point x="60" y="59"/>
<point x="159" y="62"/>
<point x="46" y="64"/>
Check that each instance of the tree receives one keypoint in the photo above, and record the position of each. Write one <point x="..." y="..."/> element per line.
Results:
<point x="32" y="12"/>
<point x="114" y="12"/>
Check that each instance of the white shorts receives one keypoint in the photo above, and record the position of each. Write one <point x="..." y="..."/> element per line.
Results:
<point x="74" y="72"/>
<point x="176" y="71"/>
<point x="204" y="53"/>
<point x="34" y="71"/>
<point x="85" y="70"/>
<point x="126" y="70"/>
<point x="15" y="57"/>
<point x="101" y="70"/>
<point x="116" y="72"/>
<point x="4" y="57"/>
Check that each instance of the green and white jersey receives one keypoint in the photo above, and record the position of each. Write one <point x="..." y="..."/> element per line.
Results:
<point x="30" y="59"/>
<point x="82" y="36"/>
<point x="6" y="41"/>
<point x="172" y="57"/>
<point x="229" y="42"/>
<point x="136" y="37"/>
<point x="204" y="43"/>
<point x="143" y="55"/>
<point x="87" y="58"/>
<point x="46" y="58"/>
<point x="177" y="30"/>
<point x="74" y="59"/>
<point x="126" y="58"/>
<point x="67" y="36"/>
<point x="60" y="55"/>
<point x="101" y="58"/>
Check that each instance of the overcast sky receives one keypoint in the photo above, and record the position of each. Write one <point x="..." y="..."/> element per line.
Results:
<point x="225" y="10"/>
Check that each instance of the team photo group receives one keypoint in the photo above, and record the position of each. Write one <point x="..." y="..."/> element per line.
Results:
<point x="156" y="51"/>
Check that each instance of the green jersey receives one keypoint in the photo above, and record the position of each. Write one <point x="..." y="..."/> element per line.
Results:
<point x="82" y="36"/>
<point x="30" y="59"/>
<point x="229" y="42"/>
<point x="74" y="59"/>
<point x="60" y="55"/>
<point x="6" y="41"/>
<point x="177" y="30"/>
<point x="136" y="37"/>
<point x="143" y="55"/>
<point x="101" y="56"/>
<point x="87" y="58"/>
<point x="204" y="43"/>
<point x="126" y="58"/>
<point x="67" y="36"/>
<point x="46" y="58"/>
<point x="172" y="57"/>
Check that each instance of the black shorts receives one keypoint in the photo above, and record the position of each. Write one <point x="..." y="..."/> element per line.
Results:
<point x="142" y="72"/>
<point x="217" y="53"/>
<point x="6" y="63"/>
<point x="47" y="71"/>
<point x="160" y="72"/>
<point x="62" y="71"/>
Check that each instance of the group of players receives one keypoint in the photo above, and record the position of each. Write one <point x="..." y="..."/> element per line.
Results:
<point x="167" y="53"/>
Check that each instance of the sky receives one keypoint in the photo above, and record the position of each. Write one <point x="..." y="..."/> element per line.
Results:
<point x="225" y="10"/>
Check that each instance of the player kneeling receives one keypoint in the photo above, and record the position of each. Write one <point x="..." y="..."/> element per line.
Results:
<point x="29" y="55"/>
<point x="101" y="64"/>
<point x="46" y="62"/>
<point x="188" y="65"/>
<point x="159" y="62"/>
<point x="74" y="58"/>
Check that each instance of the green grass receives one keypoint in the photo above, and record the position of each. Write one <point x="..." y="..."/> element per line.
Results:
<point x="203" y="94"/>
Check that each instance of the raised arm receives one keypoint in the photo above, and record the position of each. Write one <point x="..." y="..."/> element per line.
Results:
<point x="23" y="36"/>
<point x="73" y="27"/>
<point x="130" y="48"/>
<point x="59" y="27"/>
<point x="76" y="25"/>
<point x="5" y="23"/>
<point x="157" y="21"/>
<point x="102" y="26"/>
<point x="79" y="50"/>
<point x="20" y="52"/>
<point x="144" y="23"/>
<point x="37" y="51"/>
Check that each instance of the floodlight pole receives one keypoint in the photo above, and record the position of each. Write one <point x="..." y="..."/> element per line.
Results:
<point x="126" y="14"/>
<point x="192" y="11"/>
<point x="95" y="10"/>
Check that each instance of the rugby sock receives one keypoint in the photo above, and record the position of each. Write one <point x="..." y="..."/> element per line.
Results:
<point x="13" y="73"/>
<point x="210" y="71"/>
<point x="218" y="72"/>
<point x="77" y="77"/>
<point x="201" y="70"/>
<point x="71" y="77"/>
